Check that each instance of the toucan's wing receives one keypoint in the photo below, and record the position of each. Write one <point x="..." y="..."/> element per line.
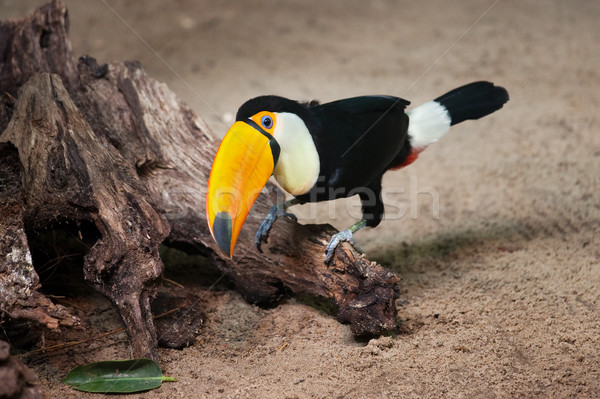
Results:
<point x="357" y="139"/>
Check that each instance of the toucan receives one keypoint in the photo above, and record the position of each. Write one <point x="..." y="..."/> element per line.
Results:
<point x="321" y="152"/>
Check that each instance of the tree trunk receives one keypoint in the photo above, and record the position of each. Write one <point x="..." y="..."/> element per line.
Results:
<point x="109" y="146"/>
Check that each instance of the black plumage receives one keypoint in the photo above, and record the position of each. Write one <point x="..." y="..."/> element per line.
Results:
<point x="473" y="101"/>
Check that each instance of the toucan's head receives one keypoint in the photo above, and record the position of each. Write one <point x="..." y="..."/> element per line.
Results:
<point x="271" y="136"/>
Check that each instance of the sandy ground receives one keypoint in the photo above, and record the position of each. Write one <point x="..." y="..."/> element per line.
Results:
<point x="494" y="230"/>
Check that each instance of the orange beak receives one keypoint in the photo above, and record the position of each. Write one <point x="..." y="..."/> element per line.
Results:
<point x="243" y="164"/>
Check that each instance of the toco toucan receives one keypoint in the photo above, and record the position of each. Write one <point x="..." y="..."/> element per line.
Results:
<point x="320" y="152"/>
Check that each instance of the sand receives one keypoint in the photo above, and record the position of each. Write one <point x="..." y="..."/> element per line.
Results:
<point x="495" y="229"/>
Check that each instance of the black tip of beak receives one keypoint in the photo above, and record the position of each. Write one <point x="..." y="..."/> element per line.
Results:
<point x="222" y="231"/>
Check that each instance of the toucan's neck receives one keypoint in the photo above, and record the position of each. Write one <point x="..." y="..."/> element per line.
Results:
<point x="298" y="167"/>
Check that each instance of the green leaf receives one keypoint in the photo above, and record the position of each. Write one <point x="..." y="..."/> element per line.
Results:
<point x="117" y="376"/>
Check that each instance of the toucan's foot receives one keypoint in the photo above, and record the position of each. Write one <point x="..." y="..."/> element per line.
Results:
<point x="278" y="210"/>
<point x="345" y="235"/>
<point x="338" y="238"/>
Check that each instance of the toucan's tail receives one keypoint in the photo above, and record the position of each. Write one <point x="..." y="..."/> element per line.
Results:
<point x="473" y="101"/>
<point x="430" y="121"/>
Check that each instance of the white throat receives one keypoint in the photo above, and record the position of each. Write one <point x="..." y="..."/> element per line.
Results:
<point x="298" y="166"/>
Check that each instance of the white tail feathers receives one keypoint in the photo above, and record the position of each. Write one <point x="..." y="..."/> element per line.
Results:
<point x="427" y="124"/>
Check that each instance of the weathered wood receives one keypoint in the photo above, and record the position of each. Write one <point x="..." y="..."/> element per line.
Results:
<point x="69" y="174"/>
<point x="17" y="381"/>
<point x="37" y="43"/>
<point x="18" y="280"/>
<point x="109" y="145"/>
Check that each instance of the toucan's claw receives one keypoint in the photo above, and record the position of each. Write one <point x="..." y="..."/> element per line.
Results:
<point x="262" y="234"/>
<point x="338" y="238"/>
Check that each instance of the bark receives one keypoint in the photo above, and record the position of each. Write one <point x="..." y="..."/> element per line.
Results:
<point x="19" y="282"/>
<point x="108" y="145"/>
<point x="17" y="381"/>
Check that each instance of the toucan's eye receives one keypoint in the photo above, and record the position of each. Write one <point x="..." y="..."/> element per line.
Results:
<point x="266" y="121"/>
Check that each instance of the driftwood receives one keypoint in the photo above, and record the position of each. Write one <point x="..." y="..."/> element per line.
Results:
<point x="108" y="146"/>
<point x="16" y="380"/>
